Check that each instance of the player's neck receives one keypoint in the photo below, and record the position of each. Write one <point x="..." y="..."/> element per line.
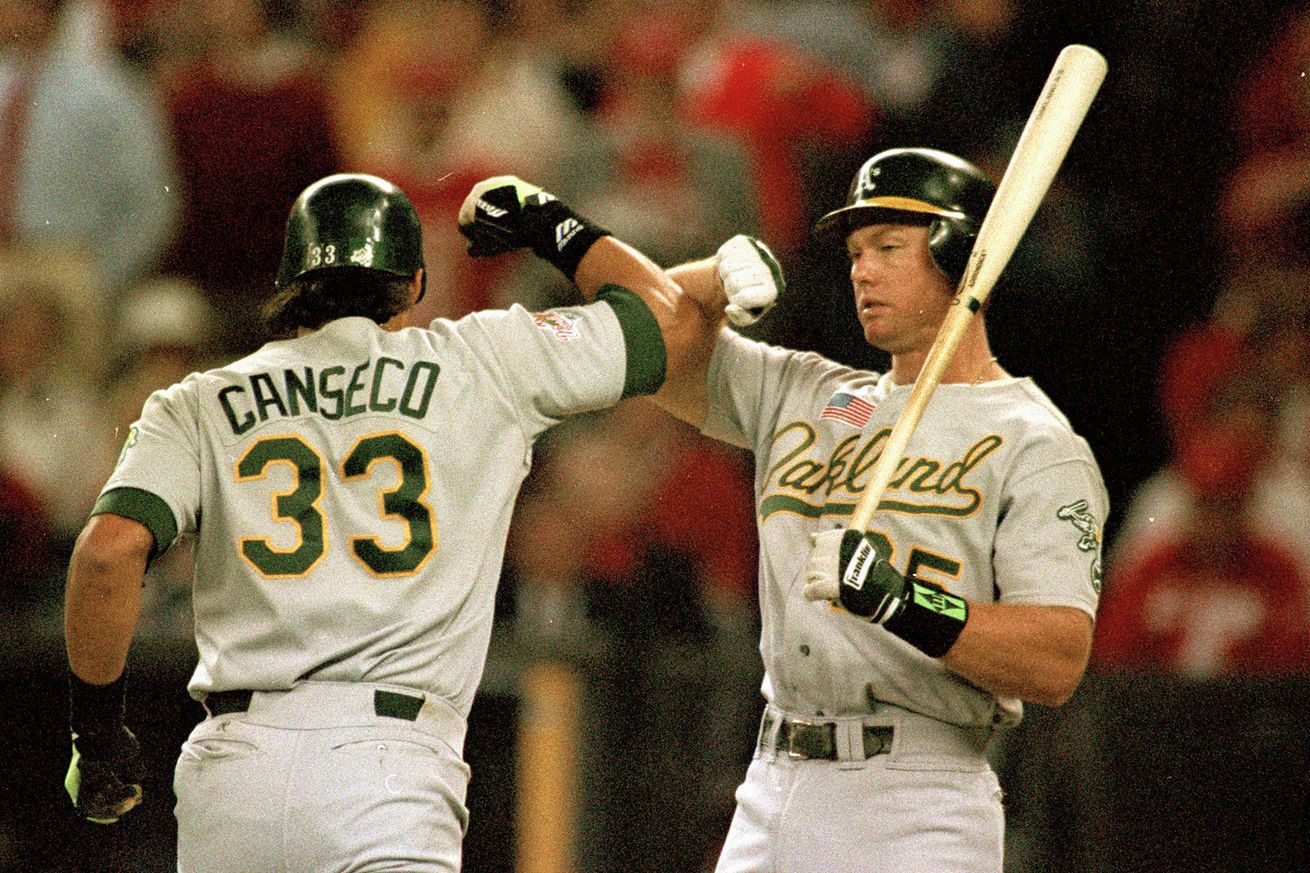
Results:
<point x="972" y="364"/>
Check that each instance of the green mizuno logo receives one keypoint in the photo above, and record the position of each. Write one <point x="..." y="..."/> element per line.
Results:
<point x="940" y="602"/>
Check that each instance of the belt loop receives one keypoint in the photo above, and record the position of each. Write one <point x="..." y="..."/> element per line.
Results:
<point x="848" y="735"/>
<point x="770" y="727"/>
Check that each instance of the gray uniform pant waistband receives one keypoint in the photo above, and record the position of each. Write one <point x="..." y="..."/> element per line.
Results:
<point x="917" y="740"/>
<point x="311" y="705"/>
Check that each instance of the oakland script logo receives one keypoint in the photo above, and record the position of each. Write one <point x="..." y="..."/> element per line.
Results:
<point x="801" y="483"/>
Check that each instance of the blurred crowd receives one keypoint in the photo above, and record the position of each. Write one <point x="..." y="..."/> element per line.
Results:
<point x="149" y="150"/>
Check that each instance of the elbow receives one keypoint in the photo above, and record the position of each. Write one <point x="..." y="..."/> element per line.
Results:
<point x="1055" y="694"/>
<point x="1058" y="681"/>
<point x="1061" y="668"/>
<point x="109" y="544"/>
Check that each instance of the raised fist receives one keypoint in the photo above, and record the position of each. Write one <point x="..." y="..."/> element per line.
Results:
<point x="751" y="277"/>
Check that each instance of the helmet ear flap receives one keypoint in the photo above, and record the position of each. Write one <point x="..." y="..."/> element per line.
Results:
<point x="950" y="240"/>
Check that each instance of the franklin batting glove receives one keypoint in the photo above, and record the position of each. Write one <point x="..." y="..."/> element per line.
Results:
<point x="846" y="569"/>
<point x="105" y="775"/>
<point x="505" y="213"/>
<point x="751" y="276"/>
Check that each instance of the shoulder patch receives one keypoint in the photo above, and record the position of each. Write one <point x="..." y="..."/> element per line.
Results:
<point x="563" y="323"/>
<point x="1089" y="539"/>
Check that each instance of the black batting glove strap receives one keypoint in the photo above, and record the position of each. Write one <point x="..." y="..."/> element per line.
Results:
<point x="557" y="234"/>
<point x="930" y="619"/>
<point x="96" y="709"/>
<point x="117" y="752"/>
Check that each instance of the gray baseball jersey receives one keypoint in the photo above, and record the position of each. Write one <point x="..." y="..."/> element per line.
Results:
<point x="997" y="499"/>
<point x="351" y="490"/>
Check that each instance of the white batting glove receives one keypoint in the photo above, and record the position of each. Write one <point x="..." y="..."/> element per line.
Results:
<point x="751" y="277"/>
<point x="821" y="569"/>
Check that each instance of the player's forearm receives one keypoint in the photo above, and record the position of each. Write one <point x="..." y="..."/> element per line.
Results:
<point x="699" y="280"/>
<point x="684" y="394"/>
<point x="1034" y="653"/>
<point x="102" y="598"/>
<point x="611" y="261"/>
<point x="688" y="306"/>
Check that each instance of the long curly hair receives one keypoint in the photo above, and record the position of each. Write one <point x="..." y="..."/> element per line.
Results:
<point x="314" y="299"/>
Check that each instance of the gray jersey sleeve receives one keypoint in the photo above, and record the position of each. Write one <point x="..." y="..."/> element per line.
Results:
<point x="573" y="359"/>
<point x="747" y="382"/>
<point x="157" y="479"/>
<point x="1048" y="543"/>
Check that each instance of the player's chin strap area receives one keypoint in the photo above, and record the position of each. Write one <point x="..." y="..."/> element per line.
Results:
<point x="904" y="737"/>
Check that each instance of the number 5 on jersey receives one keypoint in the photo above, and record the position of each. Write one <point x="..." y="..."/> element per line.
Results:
<point x="302" y="505"/>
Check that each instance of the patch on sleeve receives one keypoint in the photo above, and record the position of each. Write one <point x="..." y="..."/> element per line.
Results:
<point x="1089" y="539"/>
<point x="563" y="323"/>
<point x="133" y="436"/>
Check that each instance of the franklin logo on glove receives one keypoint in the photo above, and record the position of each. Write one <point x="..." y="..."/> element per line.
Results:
<point x="858" y="569"/>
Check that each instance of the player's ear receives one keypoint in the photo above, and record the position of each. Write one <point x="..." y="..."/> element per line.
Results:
<point x="419" y="284"/>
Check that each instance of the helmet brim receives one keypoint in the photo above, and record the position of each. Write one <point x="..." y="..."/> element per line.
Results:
<point x="874" y="210"/>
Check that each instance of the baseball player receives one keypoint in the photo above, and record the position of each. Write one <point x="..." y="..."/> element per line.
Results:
<point x="349" y="488"/>
<point x="893" y="656"/>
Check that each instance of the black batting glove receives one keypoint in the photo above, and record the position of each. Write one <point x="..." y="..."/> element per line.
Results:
<point x="846" y="569"/>
<point x="106" y="771"/>
<point x="505" y="213"/>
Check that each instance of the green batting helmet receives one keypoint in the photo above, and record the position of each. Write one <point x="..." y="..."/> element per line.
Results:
<point x="948" y="192"/>
<point x="352" y="220"/>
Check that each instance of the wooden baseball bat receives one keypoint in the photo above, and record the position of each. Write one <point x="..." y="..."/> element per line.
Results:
<point x="1060" y="110"/>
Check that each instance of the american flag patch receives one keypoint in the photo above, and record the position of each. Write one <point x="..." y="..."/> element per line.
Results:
<point x="561" y="322"/>
<point x="848" y="408"/>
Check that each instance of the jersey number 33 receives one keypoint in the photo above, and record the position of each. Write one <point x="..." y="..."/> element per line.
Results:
<point x="302" y="504"/>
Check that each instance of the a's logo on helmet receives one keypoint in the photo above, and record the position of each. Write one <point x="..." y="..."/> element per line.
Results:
<point x="362" y="257"/>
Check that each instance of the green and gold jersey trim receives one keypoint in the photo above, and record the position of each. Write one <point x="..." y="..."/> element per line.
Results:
<point x="647" y="357"/>
<point x="144" y="507"/>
